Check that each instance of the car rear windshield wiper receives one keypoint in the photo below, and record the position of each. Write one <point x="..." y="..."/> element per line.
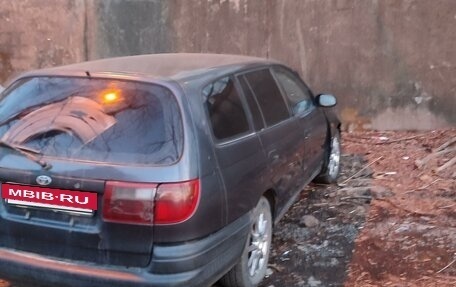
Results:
<point x="29" y="153"/>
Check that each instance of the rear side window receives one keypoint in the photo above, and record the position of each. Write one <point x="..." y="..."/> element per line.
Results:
<point x="268" y="96"/>
<point x="93" y="119"/>
<point x="226" y="112"/>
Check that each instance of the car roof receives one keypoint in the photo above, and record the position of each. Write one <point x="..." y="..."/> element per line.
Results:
<point x="174" y="66"/>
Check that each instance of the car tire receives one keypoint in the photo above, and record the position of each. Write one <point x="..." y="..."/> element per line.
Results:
<point x="331" y="165"/>
<point x="252" y="266"/>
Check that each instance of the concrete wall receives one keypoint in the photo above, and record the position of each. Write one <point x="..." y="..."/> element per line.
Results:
<point x="391" y="63"/>
<point x="128" y="27"/>
<point x="35" y="34"/>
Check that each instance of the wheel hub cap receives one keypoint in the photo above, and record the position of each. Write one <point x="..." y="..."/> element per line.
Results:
<point x="334" y="157"/>
<point x="259" y="245"/>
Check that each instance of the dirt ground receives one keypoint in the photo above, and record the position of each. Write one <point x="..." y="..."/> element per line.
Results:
<point x="409" y="238"/>
<point x="313" y="244"/>
<point x="390" y="220"/>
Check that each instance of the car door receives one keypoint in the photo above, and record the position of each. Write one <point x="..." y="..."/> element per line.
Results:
<point x="312" y="122"/>
<point x="278" y="134"/>
<point x="238" y="151"/>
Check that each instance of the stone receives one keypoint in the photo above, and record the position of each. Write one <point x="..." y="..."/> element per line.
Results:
<point x="310" y="221"/>
<point x="312" y="282"/>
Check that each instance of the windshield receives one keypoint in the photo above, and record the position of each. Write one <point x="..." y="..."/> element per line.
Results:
<point x="93" y="119"/>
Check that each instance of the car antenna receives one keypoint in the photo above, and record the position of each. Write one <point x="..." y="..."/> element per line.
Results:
<point x="88" y="74"/>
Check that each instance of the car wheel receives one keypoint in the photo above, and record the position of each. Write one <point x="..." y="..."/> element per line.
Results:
<point x="331" y="167"/>
<point x="252" y="266"/>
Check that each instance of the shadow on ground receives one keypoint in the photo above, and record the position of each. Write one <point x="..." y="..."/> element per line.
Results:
<point x="314" y="242"/>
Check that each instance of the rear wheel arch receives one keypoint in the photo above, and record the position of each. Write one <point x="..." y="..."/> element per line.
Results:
<point x="271" y="195"/>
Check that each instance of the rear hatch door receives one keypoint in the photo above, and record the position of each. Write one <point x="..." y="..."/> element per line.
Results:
<point x="65" y="138"/>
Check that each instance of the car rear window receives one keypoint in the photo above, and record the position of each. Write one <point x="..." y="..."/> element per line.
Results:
<point x="93" y="119"/>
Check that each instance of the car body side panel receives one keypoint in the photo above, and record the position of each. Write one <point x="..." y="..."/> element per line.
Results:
<point x="284" y="157"/>
<point x="242" y="166"/>
<point x="316" y="125"/>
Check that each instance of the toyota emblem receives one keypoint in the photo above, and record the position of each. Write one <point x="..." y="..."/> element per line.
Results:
<point x="43" y="180"/>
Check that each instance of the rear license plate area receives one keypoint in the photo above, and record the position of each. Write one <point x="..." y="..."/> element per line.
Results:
<point x="80" y="202"/>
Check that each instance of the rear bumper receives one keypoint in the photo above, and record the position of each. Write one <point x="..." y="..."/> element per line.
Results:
<point x="195" y="263"/>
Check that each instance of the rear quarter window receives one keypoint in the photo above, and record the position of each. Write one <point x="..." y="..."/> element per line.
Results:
<point x="225" y="109"/>
<point x="93" y="119"/>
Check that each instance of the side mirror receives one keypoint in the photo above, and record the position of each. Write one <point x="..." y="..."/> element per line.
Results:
<point x="326" y="100"/>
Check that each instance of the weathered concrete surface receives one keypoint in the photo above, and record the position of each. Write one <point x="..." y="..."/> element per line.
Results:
<point x="127" y="27"/>
<point x="36" y="34"/>
<point x="391" y="63"/>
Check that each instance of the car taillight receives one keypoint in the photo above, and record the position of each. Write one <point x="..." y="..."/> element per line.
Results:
<point x="138" y="203"/>
<point x="176" y="202"/>
<point x="127" y="202"/>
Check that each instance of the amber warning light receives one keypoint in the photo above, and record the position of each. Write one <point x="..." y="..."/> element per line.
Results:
<point x="110" y="97"/>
